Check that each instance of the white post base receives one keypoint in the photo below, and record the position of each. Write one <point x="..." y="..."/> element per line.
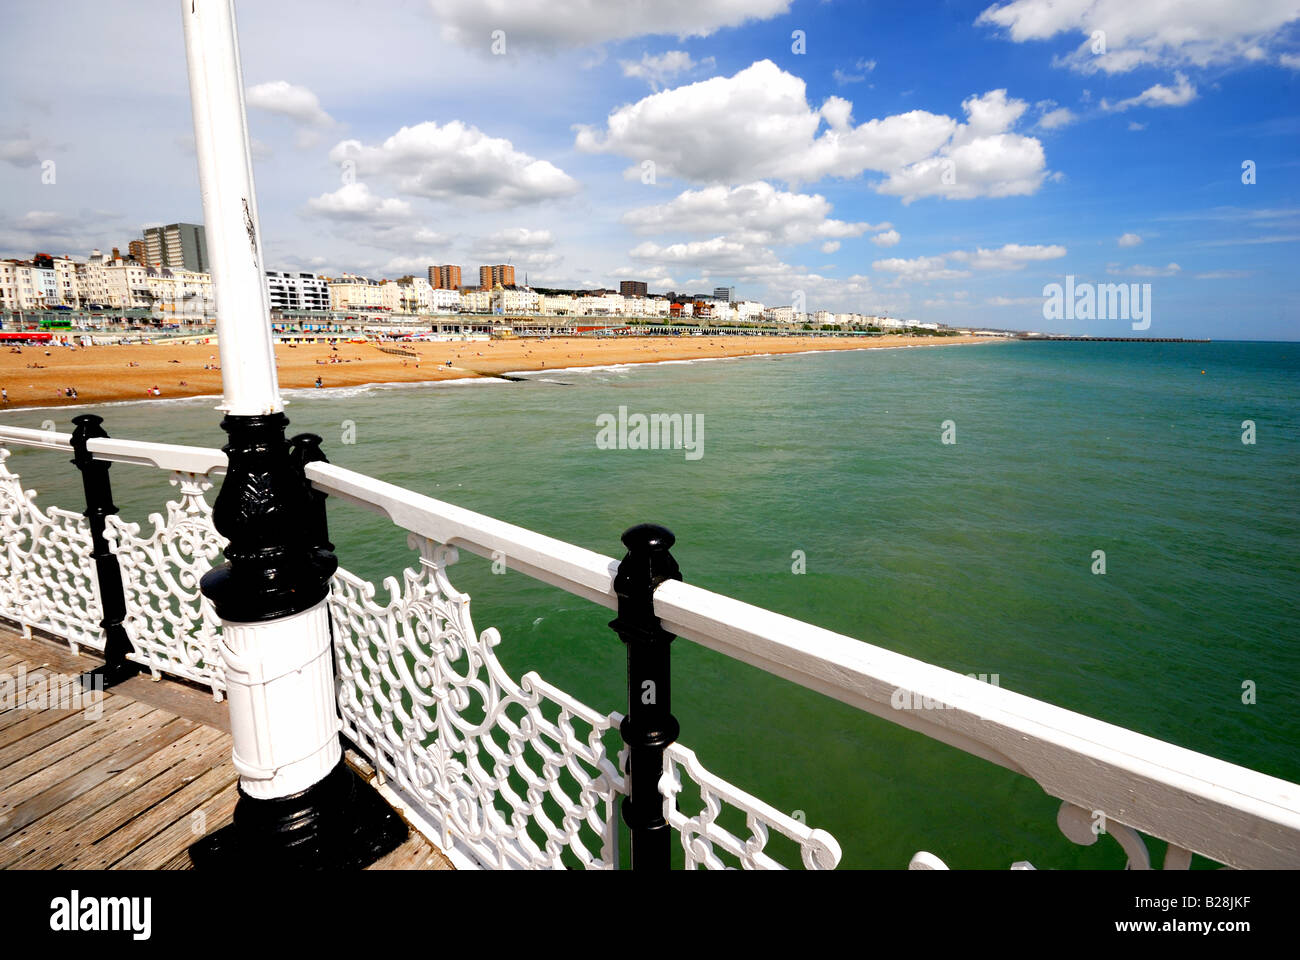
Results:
<point x="283" y="719"/>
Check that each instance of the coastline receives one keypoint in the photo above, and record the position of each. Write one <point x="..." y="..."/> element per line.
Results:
<point x="127" y="372"/>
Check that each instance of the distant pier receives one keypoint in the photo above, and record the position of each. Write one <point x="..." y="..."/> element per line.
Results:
<point x="1122" y="339"/>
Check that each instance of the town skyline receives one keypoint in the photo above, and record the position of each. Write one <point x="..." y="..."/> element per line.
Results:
<point x="770" y="145"/>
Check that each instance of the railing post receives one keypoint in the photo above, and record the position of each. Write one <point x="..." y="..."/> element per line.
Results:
<point x="300" y="805"/>
<point x="649" y="726"/>
<point x="108" y="573"/>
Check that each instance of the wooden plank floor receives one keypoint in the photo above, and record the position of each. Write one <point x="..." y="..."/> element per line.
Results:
<point x="129" y="783"/>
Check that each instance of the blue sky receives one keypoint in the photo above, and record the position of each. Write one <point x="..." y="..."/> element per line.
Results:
<point x="943" y="162"/>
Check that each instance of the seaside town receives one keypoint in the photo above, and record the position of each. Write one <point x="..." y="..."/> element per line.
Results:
<point x="163" y="279"/>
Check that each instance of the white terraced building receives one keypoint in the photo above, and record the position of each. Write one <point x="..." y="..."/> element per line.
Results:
<point x="297" y="291"/>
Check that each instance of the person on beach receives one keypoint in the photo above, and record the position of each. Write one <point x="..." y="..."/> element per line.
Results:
<point x="318" y="382"/>
<point x="4" y="395"/>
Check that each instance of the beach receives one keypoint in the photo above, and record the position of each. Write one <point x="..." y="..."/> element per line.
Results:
<point x="41" y="375"/>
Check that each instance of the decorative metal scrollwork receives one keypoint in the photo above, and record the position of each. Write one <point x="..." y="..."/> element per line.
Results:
<point x="47" y="575"/>
<point x="172" y="626"/>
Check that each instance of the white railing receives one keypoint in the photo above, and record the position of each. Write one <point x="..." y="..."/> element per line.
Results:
<point x="519" y="774"/>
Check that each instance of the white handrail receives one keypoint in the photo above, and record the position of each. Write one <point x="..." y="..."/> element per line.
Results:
<point x="552" y="561"/>
<point x="165" y="456"/>
<point x="1227" y="812"/>
<point x="205" y="461"/>
<point x="45" y="439"/>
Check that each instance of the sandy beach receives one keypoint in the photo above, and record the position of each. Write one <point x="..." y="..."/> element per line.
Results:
<point x="40" y="375"/>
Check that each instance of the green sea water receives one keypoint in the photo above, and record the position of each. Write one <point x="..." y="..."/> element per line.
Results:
<point x="976" y="555"/>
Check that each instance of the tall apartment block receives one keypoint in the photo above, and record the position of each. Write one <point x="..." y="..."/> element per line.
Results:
<point x="725" y="293"/>
<point x="181" y="245"/>
<point x="502" y="273"/>
<point x="632" y="288"/>
<point x="445" y="277"/>
<point x="136" y="250"/>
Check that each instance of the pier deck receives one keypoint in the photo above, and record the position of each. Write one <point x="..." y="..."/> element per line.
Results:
<point x="128" y="785"/>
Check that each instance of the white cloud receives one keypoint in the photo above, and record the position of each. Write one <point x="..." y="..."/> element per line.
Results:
<point x="1290" y="61"/>
<point x="1011" y="256"/>
<point x="1167" y="33"/>
<point x="1014" y="301"/>
<point x="983" y="157"/>
<point x="289" y="100"/>
<point x="361" y="216"/>
<point x="830" y="246"/>
<point x="920" y="269"/>
<point x="356" y="202"/>
<point x="520" y="237"/>
<point x="658" y="70"/>
<point x="717" y="255"/>
<point x="526" y="249"/>
<point x="759" y="210"/>
<point x="1134" y="125"/>
<point x="1140" y="270"/>
<point x="299" y="104"/>
<point x="1158" y="95"/>
<point x="843" y="77"/>
<point x="1129" y="240"/>
<point x="552" y="24"/>
<point x="694" y="132"/>
<point x="455" y="161"/>
<point x="1055" y="119"/>
<point x="21" y="151"/>
<point x="889" y="238"/>
<point x="59" y="233"/>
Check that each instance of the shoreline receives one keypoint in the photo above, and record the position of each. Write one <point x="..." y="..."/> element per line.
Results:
<point x="125" y="373"/>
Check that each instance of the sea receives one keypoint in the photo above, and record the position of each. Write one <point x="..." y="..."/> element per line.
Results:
<point x="1109" y="527"/>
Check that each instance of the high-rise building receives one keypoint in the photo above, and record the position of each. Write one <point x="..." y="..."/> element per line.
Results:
<point x="445" y="277"/>
<point x="502" y="273"/>
<point x="632" y="288"/>
<point x="181" y="245"/>
<point x="725" y="293"/>
<point x="136" y="251"/>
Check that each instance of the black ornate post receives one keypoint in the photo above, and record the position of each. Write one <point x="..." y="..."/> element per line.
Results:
<point x="263" y="509"/>
<point x="270" y="593"/>
<point x="108" y="574"/>
<point x="649" y="726"/>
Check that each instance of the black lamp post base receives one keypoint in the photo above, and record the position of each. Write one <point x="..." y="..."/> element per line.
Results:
<point x="109" y="675"/>
<point x="340" y="823"/>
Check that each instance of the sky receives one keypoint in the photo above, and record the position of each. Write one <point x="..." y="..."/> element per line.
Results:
<point x="945" y="162"/>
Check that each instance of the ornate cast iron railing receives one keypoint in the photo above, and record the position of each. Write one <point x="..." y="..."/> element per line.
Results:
<point x="519" y="774"/>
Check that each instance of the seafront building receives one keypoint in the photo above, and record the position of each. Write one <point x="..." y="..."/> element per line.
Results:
<point x="491" y="276"/>
<point x="297" y="291"/>
<point x="183" y="245"/>
<point x="445" y="277"/>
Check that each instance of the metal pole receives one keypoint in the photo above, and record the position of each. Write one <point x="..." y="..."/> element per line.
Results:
<point x="649" y="726"/>
<point x="108" y="573"/>
<point x="299" y="805"/>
